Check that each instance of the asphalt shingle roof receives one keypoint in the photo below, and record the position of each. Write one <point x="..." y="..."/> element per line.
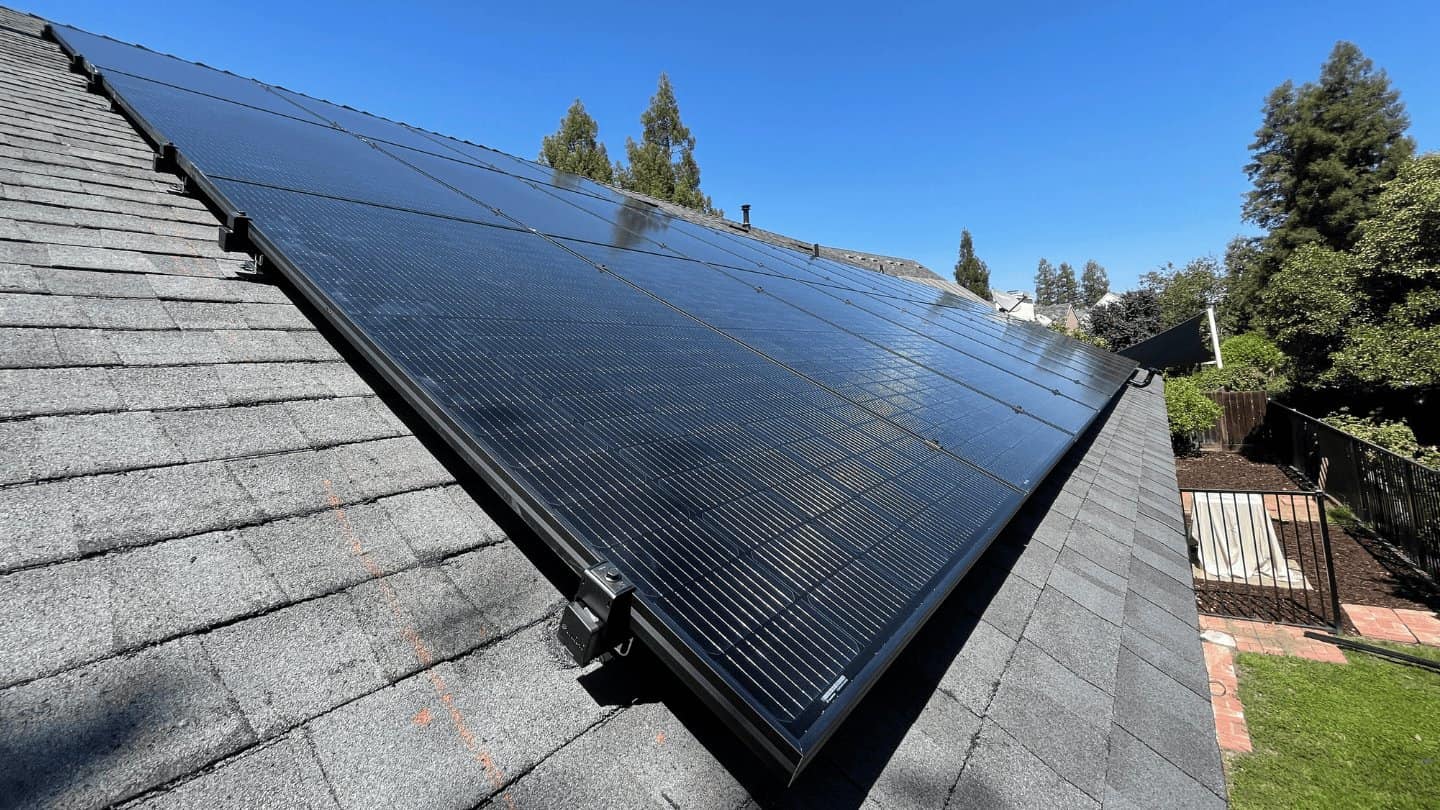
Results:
<point x="232" y="575"/>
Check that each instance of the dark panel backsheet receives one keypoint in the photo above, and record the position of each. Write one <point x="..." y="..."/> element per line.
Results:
<point x="793" y="459"/>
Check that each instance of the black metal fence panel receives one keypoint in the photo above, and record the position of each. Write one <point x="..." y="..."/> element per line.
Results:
<point x="1262" y="555"/>
<point x="1397" y="497"/>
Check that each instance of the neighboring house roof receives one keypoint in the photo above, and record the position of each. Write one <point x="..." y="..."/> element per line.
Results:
<point x="1059" y="313"/>
<point x="1018" y="305"/>
<point x="233" y="575"/>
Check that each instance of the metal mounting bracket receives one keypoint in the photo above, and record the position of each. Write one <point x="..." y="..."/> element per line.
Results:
<point x="165" y="159"/>
<point x="235" y="234"/>
<point x="1149" y="375"/>
<point x="598" y="619"/>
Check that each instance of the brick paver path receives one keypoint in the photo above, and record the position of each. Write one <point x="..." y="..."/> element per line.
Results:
<point x="1406" y="626"/>
<point x="1225" y="637"/>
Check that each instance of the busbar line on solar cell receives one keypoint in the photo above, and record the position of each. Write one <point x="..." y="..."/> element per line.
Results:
<point x="686" y="253"/>
<point x="438" y="173"/>
<point x="756" y="461"/>
<point x="801" y="361"/>
<point x="850" y="525"/>
<point x="850" y="397"/>
<point x="952" y="439"/>
<point x="298" y="103"/>
<point x="323" y="110"/>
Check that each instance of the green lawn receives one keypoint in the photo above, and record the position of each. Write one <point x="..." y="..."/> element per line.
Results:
<point x="1326" y="735"/>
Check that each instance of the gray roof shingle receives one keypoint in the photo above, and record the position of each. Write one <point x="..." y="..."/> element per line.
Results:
<point x="234" y="576"/>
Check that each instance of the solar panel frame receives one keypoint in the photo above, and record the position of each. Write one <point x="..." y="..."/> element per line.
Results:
<point x="716" y="687"/>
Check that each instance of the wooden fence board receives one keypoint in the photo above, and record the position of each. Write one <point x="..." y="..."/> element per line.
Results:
<point x="1242" y="414"/>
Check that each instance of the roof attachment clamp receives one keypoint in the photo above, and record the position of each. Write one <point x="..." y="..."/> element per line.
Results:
<point x="165" y="159"/>
<point x="598" y="619"/>
<point x="235" y="234"/>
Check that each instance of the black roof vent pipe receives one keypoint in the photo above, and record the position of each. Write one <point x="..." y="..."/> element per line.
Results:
<point x="745" y="216"/>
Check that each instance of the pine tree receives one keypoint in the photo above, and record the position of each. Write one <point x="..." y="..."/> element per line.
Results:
<point x="1094" y="283"/>
<point x="663" y="163"/>
<point x="1321" y="155"/>
<point x="1045" y="283"/>
<point x="574" y="148"/>
<point x="970" y="272"/>
<point x="1067" y="289"/>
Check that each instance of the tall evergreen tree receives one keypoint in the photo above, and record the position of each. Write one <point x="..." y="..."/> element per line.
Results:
<point x="1067" y="289"/>
<point x="1094" y="283"/>
<point x="1321" y="155"/>
<point x="1045" y="283"/>
<point x="663" y="163"/>
<point x="574" y="146"/>
<point x="970" y="272"/>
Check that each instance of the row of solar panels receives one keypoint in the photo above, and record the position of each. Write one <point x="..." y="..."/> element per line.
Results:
<point x="792" y="459"/>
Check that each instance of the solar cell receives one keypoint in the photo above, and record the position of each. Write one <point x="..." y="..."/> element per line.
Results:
<point x="793" y="460"/>
<point x="113" y="57"/>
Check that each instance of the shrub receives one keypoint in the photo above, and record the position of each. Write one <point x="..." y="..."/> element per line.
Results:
<point x="1395" y="436"/>
<point x="1237" y="378"/>
<point x="1189" y="409"/>
<point x="1253" y="351"/>
<point x="1252" y="363"/>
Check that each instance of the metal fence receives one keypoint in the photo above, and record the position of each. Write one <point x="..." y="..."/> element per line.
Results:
<point x="1262" y="555"/>
<point x="1242" y="417"/>
<point x="1397" y="497"/>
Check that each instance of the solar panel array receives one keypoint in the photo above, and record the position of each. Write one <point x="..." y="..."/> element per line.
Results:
<point x="793" y="459"/>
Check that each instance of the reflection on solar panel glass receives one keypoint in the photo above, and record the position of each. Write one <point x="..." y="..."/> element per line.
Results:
<point x="793" y="459"/>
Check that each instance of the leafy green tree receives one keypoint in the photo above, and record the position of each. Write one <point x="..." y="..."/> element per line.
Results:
<point x="1368" y="319"/>
<point x="1402" y="241"/>
<point x="1394" y="342"/>
<point x="1400" y="351"/>
<point x="1322" y="153"/>
<point x="970" y="272"/>
<point x="1128" y="321"/>
<point x="574" y="147"/>
<point x="1185" y="291"/>
<point x="1094" y="283"/>
<point x="1307" y="307"/>
<point x="1045" y="278"/>
<point x="663" y="163"/>
<point x="1242" y="288"/>
<point x="1067" y="289"/>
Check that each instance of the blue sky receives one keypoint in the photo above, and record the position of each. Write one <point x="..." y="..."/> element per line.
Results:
<point x="1116" y="132"/>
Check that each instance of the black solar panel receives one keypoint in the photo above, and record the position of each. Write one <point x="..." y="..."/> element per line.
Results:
<point x="794" y="460"/>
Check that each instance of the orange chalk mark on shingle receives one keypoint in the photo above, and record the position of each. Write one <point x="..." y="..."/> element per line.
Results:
<point x="660" y="738"/>
<point x="493" y="774"/>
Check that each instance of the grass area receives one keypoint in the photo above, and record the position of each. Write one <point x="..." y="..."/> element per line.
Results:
<point x="1362" y="735"/>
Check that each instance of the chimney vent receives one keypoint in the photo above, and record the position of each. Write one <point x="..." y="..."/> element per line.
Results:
<point x="745" y="216"/>
<point x="815" y="250"/>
